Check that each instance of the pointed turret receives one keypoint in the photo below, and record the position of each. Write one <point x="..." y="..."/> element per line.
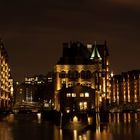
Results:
<point x="95" y="54"/>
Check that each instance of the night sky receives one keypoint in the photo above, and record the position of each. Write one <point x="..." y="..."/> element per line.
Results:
<point x="33" y="31"/>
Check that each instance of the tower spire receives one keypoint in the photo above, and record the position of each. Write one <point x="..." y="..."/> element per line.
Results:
<point x="95" y="54"/>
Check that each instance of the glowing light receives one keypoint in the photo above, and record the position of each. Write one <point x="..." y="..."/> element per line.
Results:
<point x="83" y="105"/>
<point x="75" y="134"/>
<point x="68" y="94"/>
<point x="68" y="111"/>
<point x="100" y="99"/>
<point x="39" y="117"/>
<point x="86" y="94"/>
<point x="81" y="94"/>
<point x="73" y="94"/>
<point x="112" y="74"/>
<point x="89" y="46"/>
<point x="75" y="119"/>
<point x="90" y="120"/>
<point x="61" y="134"/>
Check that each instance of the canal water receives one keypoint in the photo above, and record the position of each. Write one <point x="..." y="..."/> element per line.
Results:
<point x="124" y="126"/>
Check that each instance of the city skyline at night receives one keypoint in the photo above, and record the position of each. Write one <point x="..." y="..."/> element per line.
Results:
<point x="34" y="31"/>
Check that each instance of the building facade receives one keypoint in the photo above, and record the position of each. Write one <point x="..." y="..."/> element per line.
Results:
<point x="85" y="65"/>
<point x="30" y="90"/>
<point x="125" y="89"/>
<point x="5" y="85"/>
<point x="35" y="89"/>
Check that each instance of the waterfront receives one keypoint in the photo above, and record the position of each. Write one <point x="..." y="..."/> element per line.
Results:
<point x="29" y="126"/>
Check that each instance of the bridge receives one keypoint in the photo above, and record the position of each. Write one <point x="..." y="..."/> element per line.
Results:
<point x="33" y="107"/>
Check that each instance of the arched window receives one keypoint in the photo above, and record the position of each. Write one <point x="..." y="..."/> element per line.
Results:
<point x="62" y="74"/>
<point x="76" y="74"/>
<point x="70" y="74"/>
<point x="83" y="74"/>
<point x="73" y="74"/>
<point x="88" y="74"/>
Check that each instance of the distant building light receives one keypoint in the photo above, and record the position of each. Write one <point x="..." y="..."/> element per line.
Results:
<point x="75" y="119"/>
<point x="112" y="74"/>
<point x="26" y="79"/>
<point x="36" y="79"/>
<point x="83" y="105"/>
<point x="100" y="99"/>
<point x="68" y="95"/>
<point x="89" y="46"/>
<point x="86" y="94"/>
<point x="49" y="78"/>
<point x="46" y="105"/>
<point x="73" y="94"/>
<point x="81" y="94"/>
<point x="68" y="111"/>
<point x="17" y="83"/>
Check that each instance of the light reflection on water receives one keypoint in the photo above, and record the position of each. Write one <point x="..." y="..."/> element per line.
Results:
<point x="27" y="127"/>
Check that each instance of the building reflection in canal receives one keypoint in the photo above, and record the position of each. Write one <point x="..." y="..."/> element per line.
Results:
<point x="118" y="126"/>
<point x="5" y="127"/>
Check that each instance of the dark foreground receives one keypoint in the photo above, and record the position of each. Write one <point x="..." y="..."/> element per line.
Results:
<point x="31" y="127"/>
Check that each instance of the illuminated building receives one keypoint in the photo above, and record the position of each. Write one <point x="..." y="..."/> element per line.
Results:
<point x="125" y="88"/>
<point x="19" y="92"/>
<point x="36" y="79"/>
<point x="77" y="99"/>
<point x="11" y="88"/>
<point x="84" y="65"/>
<point x="28" y="90"/>
<point x="5" y="86"/>
<point x="37" y="88"/>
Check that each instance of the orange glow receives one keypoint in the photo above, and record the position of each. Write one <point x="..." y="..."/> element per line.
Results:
<point x="75" y="119"/>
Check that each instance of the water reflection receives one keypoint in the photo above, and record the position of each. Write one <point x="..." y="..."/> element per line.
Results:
<point x="29" y="126"/>
<point x="123" y="117"/>
<point x="97" y="123"/>
<point x="75" y="134"/>
<point x="5" y="132"/>
<point x="39" y="117"/>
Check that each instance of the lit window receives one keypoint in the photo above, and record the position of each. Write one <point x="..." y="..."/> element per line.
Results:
<point x="68" y="94"/>
<point x="81" y="94"/>
<point x="83" y="105"/>
<point x="73" y="94"/>
<point x="63" y="81"/>
<point x="68" y="111"/>
<point x="20" y="90"/>
<point x="86" y="94"/>
<point x="50" y="79"/>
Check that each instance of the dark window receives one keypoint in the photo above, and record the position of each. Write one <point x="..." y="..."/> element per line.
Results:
<point x="73" y="74"/>
<point x="83" y="74"/>
<point x="88" y="74"/>
<point x="62" y="74"/>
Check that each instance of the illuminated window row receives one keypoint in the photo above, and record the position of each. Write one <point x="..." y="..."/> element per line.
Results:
<point x="86" y="94"/>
